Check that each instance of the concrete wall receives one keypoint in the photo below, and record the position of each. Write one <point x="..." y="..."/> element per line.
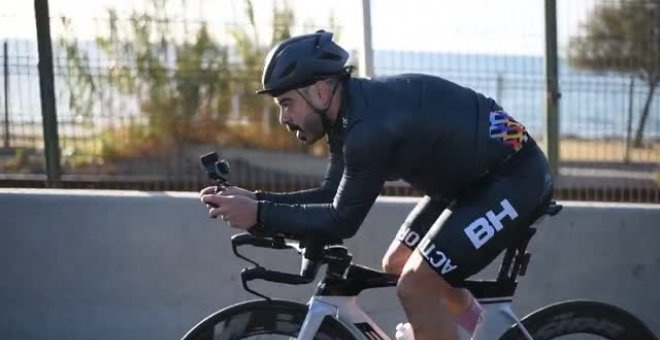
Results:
<point x="136" y="265"/>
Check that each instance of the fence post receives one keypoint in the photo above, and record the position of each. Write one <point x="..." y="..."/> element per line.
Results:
<point x="500" y="88"/>
<point x="631" y="94"/>
<point x="47" y="90"/>
<point x="551" y="86"/>
<point x="6" y="82"/>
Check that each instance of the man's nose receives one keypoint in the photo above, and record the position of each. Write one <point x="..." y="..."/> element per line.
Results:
<point x="284" y="119"/>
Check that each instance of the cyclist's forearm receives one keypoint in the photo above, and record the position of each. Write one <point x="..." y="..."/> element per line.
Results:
<point x="318" y="220"/>
<point x="316" y="195"/>
<point x="356" y="187"/>
<point x="323" y="194"/>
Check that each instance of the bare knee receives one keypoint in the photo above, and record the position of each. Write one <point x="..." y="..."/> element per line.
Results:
<point x="395" y="258"/>
<point x="393" y="265"/>
<point x="411" y="286"/>
<point x="419" y="279"/>
<point x="405" y="287"/>
<point x="416" y="286"/>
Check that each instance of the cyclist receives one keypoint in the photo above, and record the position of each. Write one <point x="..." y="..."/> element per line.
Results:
<point x="483" y="176"/>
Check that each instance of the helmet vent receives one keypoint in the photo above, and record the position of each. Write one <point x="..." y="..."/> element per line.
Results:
<point x="288" y="70"/>
<point x="330" y="56"/>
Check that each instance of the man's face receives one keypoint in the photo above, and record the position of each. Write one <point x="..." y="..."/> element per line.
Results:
<point x="299" y="117"/>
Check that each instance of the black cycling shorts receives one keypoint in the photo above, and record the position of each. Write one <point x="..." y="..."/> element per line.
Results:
<point x="459" y="238"/>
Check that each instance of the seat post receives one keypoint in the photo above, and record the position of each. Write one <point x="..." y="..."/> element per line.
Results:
<point x="505" y="266"/>
<point x="515" y="262"/>
<point x="516" y="258"/>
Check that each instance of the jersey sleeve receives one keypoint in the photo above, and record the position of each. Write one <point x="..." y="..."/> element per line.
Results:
<point x="323" y="194"/>
<point x="366" y="157"/>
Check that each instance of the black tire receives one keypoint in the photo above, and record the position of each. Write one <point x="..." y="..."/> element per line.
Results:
<point x="581" y="317"/>
<point x="263" y="320"/>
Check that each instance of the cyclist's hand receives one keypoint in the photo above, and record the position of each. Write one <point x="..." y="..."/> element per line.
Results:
<point x="229" y="191"/>
<point x="238" y="211"/>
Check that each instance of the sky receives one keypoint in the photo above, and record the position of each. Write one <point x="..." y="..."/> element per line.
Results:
<point x="465" y="26"/>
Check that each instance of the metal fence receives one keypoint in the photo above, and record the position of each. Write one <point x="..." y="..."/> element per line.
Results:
<point x="139" y="98"/>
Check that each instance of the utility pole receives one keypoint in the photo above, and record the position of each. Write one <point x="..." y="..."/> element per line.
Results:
<point x="6" y="82"/>
<point x="367" y="56"/>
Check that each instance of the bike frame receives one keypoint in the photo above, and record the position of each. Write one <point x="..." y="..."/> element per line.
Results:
<point x="337" y="293"/>
<point x="498" y="317"/>
<point x="343" y="281"/>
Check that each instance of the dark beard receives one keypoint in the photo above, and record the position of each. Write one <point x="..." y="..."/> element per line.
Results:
<point x="293" y="127"/>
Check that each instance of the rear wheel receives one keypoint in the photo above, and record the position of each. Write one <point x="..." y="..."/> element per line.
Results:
<point x="581" y="320"/>
<point x="261" y="319"/>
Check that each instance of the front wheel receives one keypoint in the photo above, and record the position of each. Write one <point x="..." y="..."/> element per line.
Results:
<point x="263" y="319"/>
<point x="581" y="319"/>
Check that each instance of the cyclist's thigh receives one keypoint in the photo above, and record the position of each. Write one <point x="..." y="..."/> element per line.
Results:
<point x="419" y="221"/>
<point x="480" y="224"/>
<point x="412" y="230"/>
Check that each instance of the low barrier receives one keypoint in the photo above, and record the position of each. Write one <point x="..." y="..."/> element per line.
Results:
<point x="148" y="265"/>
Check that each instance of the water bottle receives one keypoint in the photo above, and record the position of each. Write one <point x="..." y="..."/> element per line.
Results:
<point x="404" y="331"/>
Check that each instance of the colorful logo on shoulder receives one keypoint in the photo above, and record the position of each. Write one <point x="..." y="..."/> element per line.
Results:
<point x="506" y="129"/>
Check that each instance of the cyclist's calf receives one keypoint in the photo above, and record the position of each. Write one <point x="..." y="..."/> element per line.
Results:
<point x="423" y="295"/>
<point x="458" y="301"/>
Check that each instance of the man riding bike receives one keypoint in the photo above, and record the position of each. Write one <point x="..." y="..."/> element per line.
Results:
<point x="483" y="176"/>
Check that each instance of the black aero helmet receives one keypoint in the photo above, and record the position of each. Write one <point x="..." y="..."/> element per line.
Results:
<point x="300" y="61"/>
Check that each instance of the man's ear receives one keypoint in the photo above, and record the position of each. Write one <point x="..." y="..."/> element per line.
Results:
<point x="323" y="91"/>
